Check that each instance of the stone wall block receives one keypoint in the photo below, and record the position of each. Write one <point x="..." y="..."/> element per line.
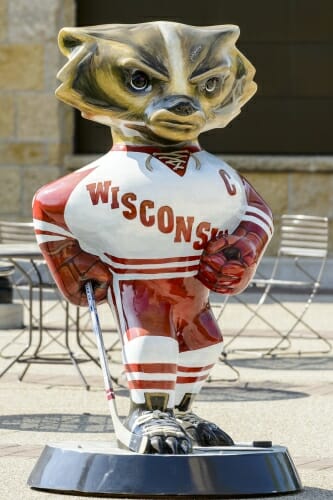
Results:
<point x="3" y="20"/>
<point x="68" y="12"/>
<point x="54" y="60"/>
<point x="37" y="117"/>
<point x="329" y="189"/>
<point x="10" y="191"/>
<point x="274" y="244"/>
<point x="28" y="153"/>
<point x="32" y="20"/>
<point x="21" y="67"/>
<point x="310" y="194"/>
<point x="273" y="187"/>
<point x="56" y="154"/>
<point x="66" y="114"/>
<point x="35" y="132"/>
<point x="330" y="237"/>
<point x="33" y="179"/>
<point x="7" y="116"/>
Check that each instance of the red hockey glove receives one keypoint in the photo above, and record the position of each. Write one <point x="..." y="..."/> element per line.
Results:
<point x="229" y="262"/>
<point x="71" y="268"/>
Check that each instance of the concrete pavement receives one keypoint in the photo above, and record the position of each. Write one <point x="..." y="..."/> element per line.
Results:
<point x="288" y="400"/>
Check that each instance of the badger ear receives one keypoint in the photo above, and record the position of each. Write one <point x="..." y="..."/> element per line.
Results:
<point x="80" y="86"/>
<point x="77" y="46"/>
<point x="71" y="38"/>
<point x="227" y="34"/>
<point x="242" y="71"/>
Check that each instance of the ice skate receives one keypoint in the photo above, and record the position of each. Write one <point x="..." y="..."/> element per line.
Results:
<point x="203" y="432"/>
<point x="165" y="433"/>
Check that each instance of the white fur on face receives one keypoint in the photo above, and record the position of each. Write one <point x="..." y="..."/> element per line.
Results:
<point x="177" y="68"/>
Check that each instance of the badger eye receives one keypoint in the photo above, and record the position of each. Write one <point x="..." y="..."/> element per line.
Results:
<point x="140" y="81"/>
<point x="211" y="84"/>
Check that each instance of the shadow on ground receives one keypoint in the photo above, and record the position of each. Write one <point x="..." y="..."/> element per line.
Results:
<point x="214" y="390"/>
<point x="88" y="423"/>
<point x="287" y="363"/>
<point x="246" y="392"/>
<point x="58" y="422"/>
<point x="311" y="493"/>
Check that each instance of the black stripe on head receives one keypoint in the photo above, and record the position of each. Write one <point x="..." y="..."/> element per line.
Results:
<point x="152" y="61"/>
<point x="144" y="39"/>
<point x="213" y="45"/>
<point x="211" y="60"/>
<point x="85" y="84"/>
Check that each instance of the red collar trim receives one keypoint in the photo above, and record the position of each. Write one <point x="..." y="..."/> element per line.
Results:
<point x="153" y="149"/>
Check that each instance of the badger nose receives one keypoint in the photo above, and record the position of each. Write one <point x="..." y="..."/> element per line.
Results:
<point x="183" y="108"/>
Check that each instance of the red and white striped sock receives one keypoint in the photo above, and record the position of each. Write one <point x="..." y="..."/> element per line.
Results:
<point x="193" y="369"/>
<point x="150" y="363"/>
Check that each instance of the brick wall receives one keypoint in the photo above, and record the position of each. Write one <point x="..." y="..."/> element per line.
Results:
<point x="35" y="129"/>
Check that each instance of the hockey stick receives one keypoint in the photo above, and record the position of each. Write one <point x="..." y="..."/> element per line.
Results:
<point x="131" y="441"/>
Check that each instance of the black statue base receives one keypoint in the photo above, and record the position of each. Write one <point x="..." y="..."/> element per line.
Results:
<point x="92" y="468"/>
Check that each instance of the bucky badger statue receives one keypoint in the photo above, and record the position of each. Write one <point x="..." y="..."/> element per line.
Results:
<point x="157" y="222"/>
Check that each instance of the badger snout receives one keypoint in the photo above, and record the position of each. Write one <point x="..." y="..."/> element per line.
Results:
<point x="181" y="105"/>
<point x="183" y="108"/>
<point x="175" y="117"/>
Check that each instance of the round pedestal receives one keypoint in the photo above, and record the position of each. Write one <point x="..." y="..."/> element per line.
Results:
<point x="99" y="468"/>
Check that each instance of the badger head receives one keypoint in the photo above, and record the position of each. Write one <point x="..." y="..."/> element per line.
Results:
<point x="166" y="82"/>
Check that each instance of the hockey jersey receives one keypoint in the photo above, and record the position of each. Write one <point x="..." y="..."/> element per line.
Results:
<point x="146" y="213"/>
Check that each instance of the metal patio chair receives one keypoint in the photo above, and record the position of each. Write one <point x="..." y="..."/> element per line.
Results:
<point x="304" y="243"/>
<point x="31" y="282"/>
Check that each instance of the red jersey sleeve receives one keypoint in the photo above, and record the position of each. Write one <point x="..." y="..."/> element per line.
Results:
<point x="70" y="266"/>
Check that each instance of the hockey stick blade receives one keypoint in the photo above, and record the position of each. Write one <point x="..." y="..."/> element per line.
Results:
<point x="132" y="441"/>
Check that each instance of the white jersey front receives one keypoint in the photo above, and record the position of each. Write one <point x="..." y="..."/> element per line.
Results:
<point x="139" y="215"/>
<point x="145" y="213"/>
